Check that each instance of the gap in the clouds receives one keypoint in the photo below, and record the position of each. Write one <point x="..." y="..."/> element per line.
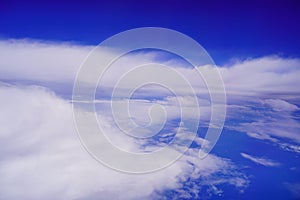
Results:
<point x="266" y="181"/>
<point x="163" y="137"/>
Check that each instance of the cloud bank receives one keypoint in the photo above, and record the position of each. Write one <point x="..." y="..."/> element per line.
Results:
<point x="53" y="62"/>
<point x="41" y="156"/>
<point x="40" y="148"/>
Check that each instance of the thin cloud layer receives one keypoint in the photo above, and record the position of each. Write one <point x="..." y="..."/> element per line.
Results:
<point x="267" y="119"/>
<point x="261" y="161"/>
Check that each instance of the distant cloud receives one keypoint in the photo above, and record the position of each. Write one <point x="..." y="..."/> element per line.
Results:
<point x="290" y="147"/>
<point x="40" y="61"/>
<point x="53" y="62"/>
<point x="261" y="76"/>
<point x="281" y="105"/>
<point x="269" y="119"/>
<point x="261" y="161"/>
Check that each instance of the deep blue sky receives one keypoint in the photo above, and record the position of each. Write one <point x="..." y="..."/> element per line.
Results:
<point x="227" y="29"/>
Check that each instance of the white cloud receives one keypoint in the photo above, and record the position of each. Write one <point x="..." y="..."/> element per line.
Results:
<point x="40" y="61"/>
<point x="261" y="136"/>
<point x="52" y="62"/>
<point x="270" y="119"/>
<point x="274" y="127"/>
<point x="244" y="81"/>
<point x="42" y="158"/>
<point x="40" y="150"/>
<point x="263" y="75"/>
<point x="281" y="105"/>
<point x="261" y="161"/>
<point x="290" y="147"/>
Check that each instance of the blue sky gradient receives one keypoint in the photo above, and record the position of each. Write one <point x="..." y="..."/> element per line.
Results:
<point x="226" y="29"/>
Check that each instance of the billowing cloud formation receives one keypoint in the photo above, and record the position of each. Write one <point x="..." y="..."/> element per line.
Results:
<point x="40" y="149"/>
<point x="41" y="156"/>
<point x="52" y="62"/>
<point x="40" y="61"/>
<point x="263" y="75"/>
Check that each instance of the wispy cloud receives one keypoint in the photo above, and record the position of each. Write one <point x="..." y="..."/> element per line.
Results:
<point x="261" y="161"/>
<point x="294" y="188"/>
<point x="266" y="119"/>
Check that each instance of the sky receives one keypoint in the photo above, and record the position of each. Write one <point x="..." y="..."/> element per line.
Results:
<point x="255" y="47"/>
<point x="228" y="30"/>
